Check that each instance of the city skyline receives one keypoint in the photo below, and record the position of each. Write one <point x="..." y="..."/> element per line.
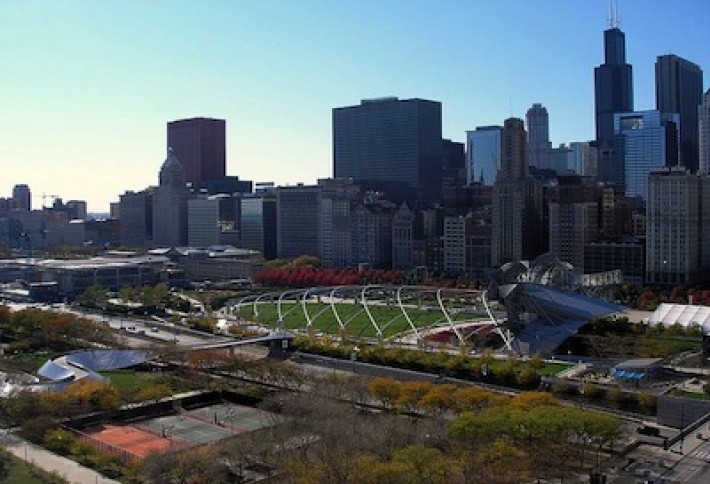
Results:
<point x="91" y="86"/>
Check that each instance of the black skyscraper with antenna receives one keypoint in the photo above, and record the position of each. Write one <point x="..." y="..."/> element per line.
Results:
<point x="613" y="88"/>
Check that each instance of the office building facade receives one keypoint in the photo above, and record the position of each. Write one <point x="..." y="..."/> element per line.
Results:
<point x="372" y="234"/>
<point x="514" y="163"/>
<point x="573" y="219"/>
<point x="704" y="134"/>
<point x="136" y="218"/>
<point x="483" y="154"/>
<point x="647" y="140"/>
<point x="200" y="145"/>
<point x="403" y="239"/>
<point x="613" y="87"/>
<point x="258" y="223"/>
<point x="538" y="130"/>
<point x="679" y="89"/>
<point x="673" y="227"/>
<point x="517" y="208"/>
<point x="170" y="205"/>
<point x="390" y="145"/>
<point x="203" y="228"/>
<point x="298" y="221"/>
<point x="21" y="197"/>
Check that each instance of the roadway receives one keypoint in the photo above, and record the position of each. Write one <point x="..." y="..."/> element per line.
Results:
<point x="686" y="462"/>
<point x="134" y="332"/>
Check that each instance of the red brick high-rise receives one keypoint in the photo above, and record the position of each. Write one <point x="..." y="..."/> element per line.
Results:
<point x="200" y="145"/>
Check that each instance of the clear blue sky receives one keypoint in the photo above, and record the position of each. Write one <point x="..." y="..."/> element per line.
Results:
<point x="86" y="87"/>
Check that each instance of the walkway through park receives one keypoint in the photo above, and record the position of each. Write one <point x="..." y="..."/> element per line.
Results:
<point x="50" y="462"/>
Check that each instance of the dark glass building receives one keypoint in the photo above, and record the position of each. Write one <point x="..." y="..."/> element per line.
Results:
<point x="258" y="224"/>
<point x="200" y="145"/>
<point x="613" y="89"/>
<point x="679" y="89"/>
<point x="390" y="145"/>
<point x="22" y="197"/>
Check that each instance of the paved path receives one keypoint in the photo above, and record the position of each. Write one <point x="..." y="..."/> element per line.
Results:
<point x="50" y="462"/>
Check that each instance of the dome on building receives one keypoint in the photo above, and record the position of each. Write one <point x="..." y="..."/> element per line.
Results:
<point x="171" y="173"/>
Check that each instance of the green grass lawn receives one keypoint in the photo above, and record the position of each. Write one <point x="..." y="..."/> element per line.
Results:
<point x="693" y="395"/>
<point x="129" y="382"/>
<point x="549" y="369"/>
<point x="353" y="317"/>
<point x="20" y="472"/>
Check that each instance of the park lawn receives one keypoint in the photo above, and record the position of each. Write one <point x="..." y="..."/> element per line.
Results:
<point x="20" y="472"/>
<point x="353" y="317"/>
<point x="693" y="395"/>
<point x="129" y="382"/>
<point x="28" y="362"/>
<point x="549" y="369"/>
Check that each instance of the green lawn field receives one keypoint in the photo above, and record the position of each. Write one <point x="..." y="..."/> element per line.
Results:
<point x="389" y="318"/>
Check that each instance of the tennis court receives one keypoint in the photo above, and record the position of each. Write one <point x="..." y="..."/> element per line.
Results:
<point x="132" y="441"/>
<point x="179" y="431"/>
<point x="237" y="418"/>
<point x="182" y="427"/>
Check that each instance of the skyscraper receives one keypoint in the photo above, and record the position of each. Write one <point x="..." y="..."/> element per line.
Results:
<point x="136" y="222"/>
<point x="258" y="223"/>
<point x="21" y="197"/>
<point x="200" y="145"/>
<point x="483" y="154"/>
<point x="170" y="205"/>
<point x="613" y="88"/>
<point x="297" y="221"/>
<point x="539" y="146"/>
<point x="648" y="141"/>
<point x="203" y="222"/>
<point x="673" y="227"/>
<point x="514" y="163"/>
<point x="390" y="144"/>
<point x="679" y="89"/>
<point x="517" y="225"/>
<point x="573" y="218"/>
<point x="704" y="134"/>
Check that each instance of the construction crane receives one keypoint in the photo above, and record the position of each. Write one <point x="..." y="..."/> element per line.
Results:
<point x="44" y="199"/>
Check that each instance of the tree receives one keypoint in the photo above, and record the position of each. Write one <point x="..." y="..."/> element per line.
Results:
<point x="306" y="261"/>
<point x="530" y="400"/>
<point x="439" y="399"/>
<point x="94" y="297"/>
<point x="58" y="440"/>
<point x="474" y="399"/>
<point x="97" y="396"/>
<point x="194" y="466"/>
<point x="536" y="361"/>
<point x="425" y="464"/>
<point x="4" y="465"/>
<point x="153" y="296"/>
<point x="501" y="463"/>
<point x="647" y="401"/>
<point x="386" y="390"/>
<point x="153" y="392"/>
<point x="126" y="294"/>
<point x="411" y="393"/>
<point x="527" y="377"/>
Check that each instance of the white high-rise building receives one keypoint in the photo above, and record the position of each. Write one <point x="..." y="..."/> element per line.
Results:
<point x="704" y="134"/>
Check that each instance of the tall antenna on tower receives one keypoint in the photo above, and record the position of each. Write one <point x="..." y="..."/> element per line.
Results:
<point x="613" y="14"/>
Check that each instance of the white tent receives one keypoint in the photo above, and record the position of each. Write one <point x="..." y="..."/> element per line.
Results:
<point x="684" y="314"/>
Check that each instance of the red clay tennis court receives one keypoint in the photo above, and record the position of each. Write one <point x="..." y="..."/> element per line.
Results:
<point x="131" y="440"/>
<point x="171" y="432"/>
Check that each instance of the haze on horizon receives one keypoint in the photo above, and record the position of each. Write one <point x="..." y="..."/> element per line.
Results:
<point x="88" y="87"/>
